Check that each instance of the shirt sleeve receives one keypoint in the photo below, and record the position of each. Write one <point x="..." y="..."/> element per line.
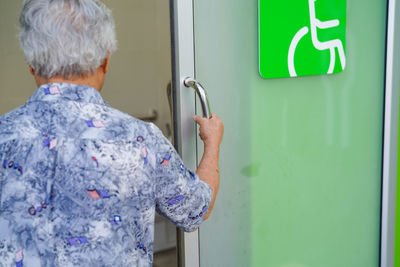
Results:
<point x="180" y="195"/>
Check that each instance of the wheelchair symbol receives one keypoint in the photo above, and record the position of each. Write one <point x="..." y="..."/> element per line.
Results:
<point x="331" y="45"/>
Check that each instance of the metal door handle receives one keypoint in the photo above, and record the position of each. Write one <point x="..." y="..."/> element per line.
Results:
<point x="205" y="104"/>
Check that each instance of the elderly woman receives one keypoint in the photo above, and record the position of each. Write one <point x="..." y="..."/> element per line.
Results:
<point x="80" y="181"/>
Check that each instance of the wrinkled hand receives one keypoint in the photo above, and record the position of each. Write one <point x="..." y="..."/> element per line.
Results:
<point x="211" y="130"/>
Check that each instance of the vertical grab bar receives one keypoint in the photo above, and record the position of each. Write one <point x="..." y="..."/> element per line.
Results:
<point x="205" y="104"/>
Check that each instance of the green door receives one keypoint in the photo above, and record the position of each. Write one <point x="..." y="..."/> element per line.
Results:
<point x="301" y="158"/>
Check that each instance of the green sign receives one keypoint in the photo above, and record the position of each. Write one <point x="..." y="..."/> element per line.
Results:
<point x="301" y="37"/>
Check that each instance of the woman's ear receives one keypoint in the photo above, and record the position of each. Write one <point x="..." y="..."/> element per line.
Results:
<point x="31" y="70"/>
<point x="106" y="63"/>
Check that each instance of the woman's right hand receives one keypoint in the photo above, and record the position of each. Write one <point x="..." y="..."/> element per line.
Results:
<point x="211" y="130"/>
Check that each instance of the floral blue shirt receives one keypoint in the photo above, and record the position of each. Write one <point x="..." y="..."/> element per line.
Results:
<point x="80" y="183"/>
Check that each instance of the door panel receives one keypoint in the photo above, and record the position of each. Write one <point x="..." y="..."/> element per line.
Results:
<point x="301" y="158"/>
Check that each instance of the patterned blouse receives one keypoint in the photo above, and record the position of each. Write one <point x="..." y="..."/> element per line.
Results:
<point x="80" y="183"/>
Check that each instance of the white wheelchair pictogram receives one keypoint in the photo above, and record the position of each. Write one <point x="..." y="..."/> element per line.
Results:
<point x="331" y="45"/>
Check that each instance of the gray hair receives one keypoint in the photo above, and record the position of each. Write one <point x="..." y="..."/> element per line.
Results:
<point x="66" y="37"/>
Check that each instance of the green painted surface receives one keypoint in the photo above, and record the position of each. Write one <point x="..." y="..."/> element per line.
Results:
<point x="281" y="21"/>
<point x="301" y="158"/>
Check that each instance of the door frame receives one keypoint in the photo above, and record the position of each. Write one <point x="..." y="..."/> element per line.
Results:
<point x="185" y="131"/>
<point x="390" y="135"/>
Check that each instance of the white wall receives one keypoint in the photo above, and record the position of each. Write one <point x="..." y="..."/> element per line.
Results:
<point x="141" y="68"/>
<point x="16" y="83"/>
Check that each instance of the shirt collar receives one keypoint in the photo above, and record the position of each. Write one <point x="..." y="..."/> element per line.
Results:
<point x="66" y="91"/>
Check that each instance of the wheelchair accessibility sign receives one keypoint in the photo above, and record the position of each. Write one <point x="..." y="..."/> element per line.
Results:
<point x="301" y="37"/>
